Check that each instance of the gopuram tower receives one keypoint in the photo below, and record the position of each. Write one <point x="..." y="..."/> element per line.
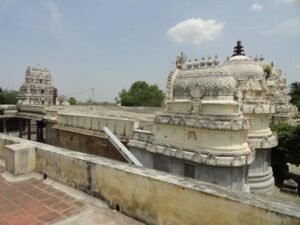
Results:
<point x="38" y="88"/>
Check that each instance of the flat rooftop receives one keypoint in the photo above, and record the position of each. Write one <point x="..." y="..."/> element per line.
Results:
<point x="35" y="201"/>
<point x="144" y="115"/>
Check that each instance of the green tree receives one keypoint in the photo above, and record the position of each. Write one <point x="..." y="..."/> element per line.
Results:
<point x="288" y="149"/>
<point x="141" y="94"/>
<point x="72" y="101"/>
<point x="2" y="97"/>
<point x="8" y="96"/>
<point x="268" y="70"/>
<point x="295" y="94"/>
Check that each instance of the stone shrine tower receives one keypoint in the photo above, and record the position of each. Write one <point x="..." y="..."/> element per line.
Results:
<point x="216" y="122"/>
<point x="203" y="133"/>
<point x="251" y="81"/>
<point x="278" y="95"/>
<point x="38" y="88"/>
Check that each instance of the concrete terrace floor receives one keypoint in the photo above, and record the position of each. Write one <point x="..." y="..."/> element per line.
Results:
<point x="36" y="201"/>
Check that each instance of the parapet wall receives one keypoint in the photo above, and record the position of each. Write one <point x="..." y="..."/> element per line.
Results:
<point x="82" y="141"/>
<point x="152" y="196"/>
<point x="39" y="109"/>
<point x="81" y="132"/>
<point x="121" y="127"/>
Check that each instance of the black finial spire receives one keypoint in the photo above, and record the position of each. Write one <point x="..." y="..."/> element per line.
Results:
<point x="238" y="49"/>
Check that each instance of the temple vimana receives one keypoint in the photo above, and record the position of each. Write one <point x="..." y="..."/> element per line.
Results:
<point x="207" y="149"/>
<point x="216" y="121"/>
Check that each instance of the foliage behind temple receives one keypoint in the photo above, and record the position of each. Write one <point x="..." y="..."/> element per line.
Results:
<point x="141" y="94"/>
<point x="8" y="96"/>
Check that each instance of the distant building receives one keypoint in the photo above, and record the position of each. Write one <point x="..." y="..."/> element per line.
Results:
<point x="38" y="88"/>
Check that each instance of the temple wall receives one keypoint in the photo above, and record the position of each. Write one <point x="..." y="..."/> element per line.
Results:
<point x="260" y="124"/>
<point x="2" y="147"/>
<point x="179" y="106"/>
<point x="155" y="197"/>
<point x="260" y="177"/>
<point x="86" y="143"/>
<point x="215" y="108"/>
<point x="231" y="177"/>
<point x="204" y="138"/>
<point x="83" y="133"/>
<point x="121" y="127"/>
<point x="39" y="109"/>
<point x="262" y="161"/>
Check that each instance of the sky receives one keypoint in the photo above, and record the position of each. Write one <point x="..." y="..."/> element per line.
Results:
<point x="108" y="45"/>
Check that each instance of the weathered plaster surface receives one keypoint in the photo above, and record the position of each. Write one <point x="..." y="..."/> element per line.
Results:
<point x="157" y="197"/>
<point x="20" y="158"/>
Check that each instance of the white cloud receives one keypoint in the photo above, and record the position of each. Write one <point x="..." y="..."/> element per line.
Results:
<point x="195" y="31"/>
<point x="288" y="2"/>
<point x="256" y="7"/>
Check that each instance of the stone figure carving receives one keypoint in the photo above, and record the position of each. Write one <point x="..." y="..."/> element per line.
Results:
<point x="196" y="105"/>
<point x="181" y="59"/>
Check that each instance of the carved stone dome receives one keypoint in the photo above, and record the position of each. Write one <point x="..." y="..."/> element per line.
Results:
<point x="203" y="82"/>
<point x="243" y="68"/>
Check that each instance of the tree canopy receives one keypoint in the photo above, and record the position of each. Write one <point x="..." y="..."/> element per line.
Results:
<point x="72" y="101"/>
<point x="8" y="96"/>
<point x="287" y="151"/>
<point x="267" y="69"/>
<point x="288" y="143"/>
<point x="295" y="94"/>
<point x="141" y="94"/>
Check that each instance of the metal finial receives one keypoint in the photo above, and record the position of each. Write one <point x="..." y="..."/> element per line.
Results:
<point x="238" y="49"/>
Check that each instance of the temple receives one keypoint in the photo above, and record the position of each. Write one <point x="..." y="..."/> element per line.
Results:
<point x="203" y="153"/>
<point x="38" y="88"/>
<point x="216" y="122"/>
<point x="202" y="134"/>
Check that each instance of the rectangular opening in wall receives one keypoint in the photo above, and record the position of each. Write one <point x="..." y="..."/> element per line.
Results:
<point x="189" y="170"/>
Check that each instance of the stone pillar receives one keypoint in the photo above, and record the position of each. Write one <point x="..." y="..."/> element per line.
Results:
<point x="20" y="127"/>
<point x="4" y="126"/>
<point x="28" y="130"/>
<point x="41" y="131"/>
<point x="37" y="130"/>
